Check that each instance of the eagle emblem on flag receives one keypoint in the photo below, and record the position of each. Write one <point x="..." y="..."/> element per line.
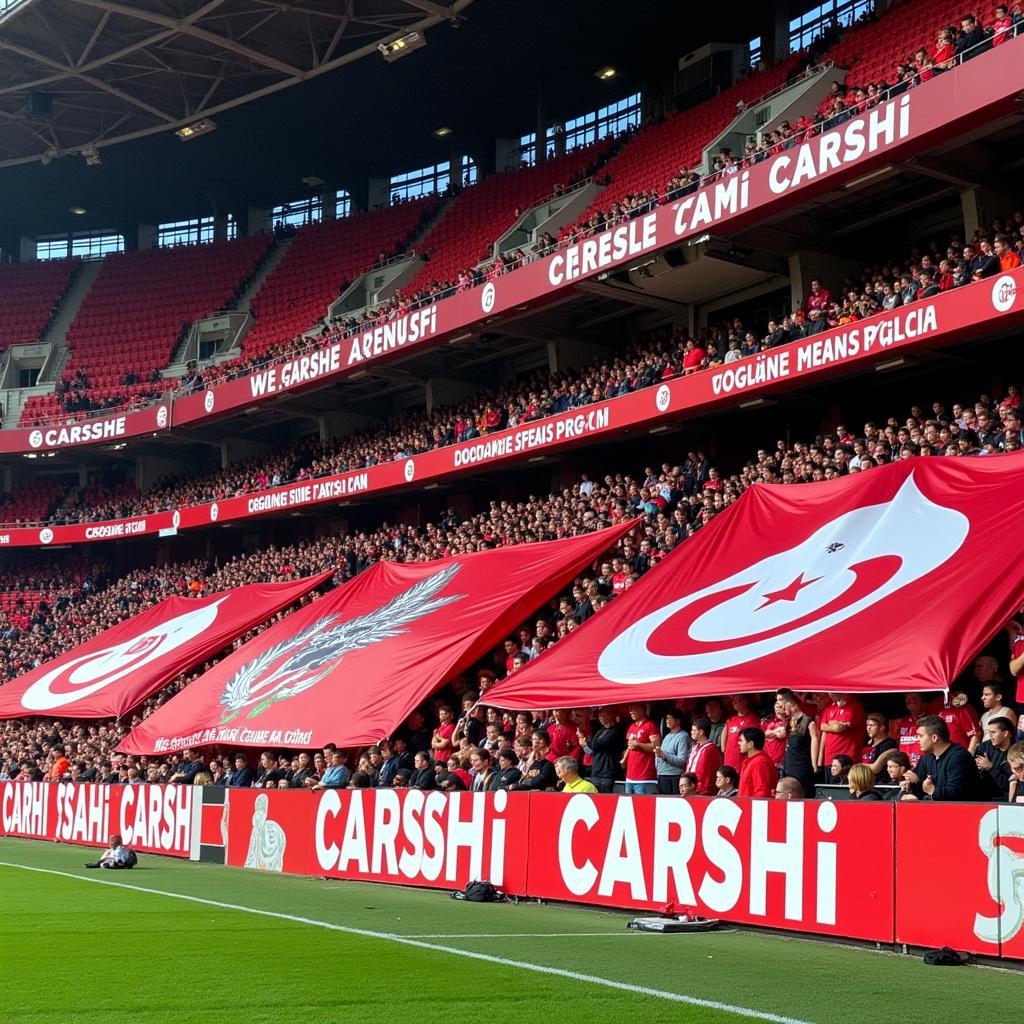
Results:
<point x="295" y="665"/>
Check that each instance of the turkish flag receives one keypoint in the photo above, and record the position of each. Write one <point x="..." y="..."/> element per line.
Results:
<point x="888" y="580"/>
<point x="122" y="666"/>
<point x="349" y="668"/>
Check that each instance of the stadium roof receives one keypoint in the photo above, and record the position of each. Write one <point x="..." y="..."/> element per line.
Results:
<point x="98" y="72"/>
<point x="364" y="119"/>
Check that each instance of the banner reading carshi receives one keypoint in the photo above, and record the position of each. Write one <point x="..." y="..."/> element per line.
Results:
<point x="350" y="668"/>
<point x="122" y="666"/>
<point x="844" y="585"/>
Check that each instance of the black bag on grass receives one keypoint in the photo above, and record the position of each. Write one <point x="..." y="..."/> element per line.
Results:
<point x="946" y="957"/>
<point x="478" y="892"/>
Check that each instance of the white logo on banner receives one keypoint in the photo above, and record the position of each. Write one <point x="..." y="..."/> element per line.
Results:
<point x="208" y="401"/>
<point x="410" y="470"/>
<point x="1005" y="874"/>
<point x="267" y="841"/>
<point x="1004" y="293"/>
<point x="89" y="673"/>
<point x="161" y="417"/>
<point x="214" y="512"/>
<point x="35" y="439"/>
<point x="45" y="535"/>
<point x="295" y="665"/>
<point x="176" y="519"/>
<point x="663" y="398"/>
<point x="487" y="297"/>
<point x="843" y="568"/>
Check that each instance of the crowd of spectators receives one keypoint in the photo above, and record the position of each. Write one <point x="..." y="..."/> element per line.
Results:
<point x="795" y="735"/>
<point x="660" y="355"/>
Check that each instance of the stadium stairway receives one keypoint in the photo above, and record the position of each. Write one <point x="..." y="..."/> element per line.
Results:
<point x="190" y="344"/>
<point x="56" y="333"/>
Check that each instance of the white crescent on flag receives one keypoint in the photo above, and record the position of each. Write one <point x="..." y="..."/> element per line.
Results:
<point x="90" y="673"/>
<point x="844" y="567"/>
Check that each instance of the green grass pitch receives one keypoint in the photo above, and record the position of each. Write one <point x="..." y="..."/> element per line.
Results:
<point x="89" y="947"/>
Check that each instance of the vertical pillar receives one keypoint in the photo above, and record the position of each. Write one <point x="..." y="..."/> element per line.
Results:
<point x="971" y="209"/>
<point x="542" y="128"/>
<point x="220" y="227"/>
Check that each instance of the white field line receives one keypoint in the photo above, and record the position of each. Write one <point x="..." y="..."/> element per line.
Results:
<point x="522" y="965"/>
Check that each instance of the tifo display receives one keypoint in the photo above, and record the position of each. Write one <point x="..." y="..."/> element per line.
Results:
<point x="610" y="500"/>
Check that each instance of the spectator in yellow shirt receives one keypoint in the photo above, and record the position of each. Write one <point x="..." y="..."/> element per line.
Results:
<point x="568" y="770"/>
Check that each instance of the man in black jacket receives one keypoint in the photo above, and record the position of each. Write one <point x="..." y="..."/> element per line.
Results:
<point x="423" y="777"/>
<point x="990" y="757"/>
<point x="539" y="772"/>
<point x="242" y="776"/>
<point x="605" y="748"/>
<point x="946" y="770"/>
<point x="191" y="765"/>
<point x="971" y="35"/>
<point x="508" y="773"/>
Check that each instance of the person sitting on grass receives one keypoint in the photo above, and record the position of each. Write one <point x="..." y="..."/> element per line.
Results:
<point x="116" y="857"/>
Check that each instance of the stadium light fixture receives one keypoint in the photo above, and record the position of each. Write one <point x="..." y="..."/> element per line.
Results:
<point x="92" y="156"/>
<point x="443" y="132"/>
<point x="606" y="73"/>
<point x="402" y="46"/>
<point x="78" y="211"/>
<point x="192" y="131"/>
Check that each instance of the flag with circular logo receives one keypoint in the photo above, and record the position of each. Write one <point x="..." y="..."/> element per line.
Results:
<point x="889" y="580"/>
<point x="122" y="666"/>
<point x="349" y="668"/>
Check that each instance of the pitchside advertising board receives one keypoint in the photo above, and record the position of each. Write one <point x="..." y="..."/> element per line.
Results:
<point x="150" y="819"/>
<point x="977" y="93"/>
<point x="861" y="871"/>
<point x="957" y="316"/>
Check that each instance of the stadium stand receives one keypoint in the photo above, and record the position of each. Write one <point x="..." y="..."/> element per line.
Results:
<point x="663" y="355"/>
<point x="137" y="310"/>
<point x="674" y="501"/>
<point x="31" y="293"/>
<point x="321" y="261"/>
<point x="31" y="501"/>
<point x="51" y="606"/>
<point x="465" y="234"/>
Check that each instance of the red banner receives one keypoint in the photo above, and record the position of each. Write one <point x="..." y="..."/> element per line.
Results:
<point x="800" y="865"/>
<point x="350" y="667"/>
<point x="952" y="317"/>
<point x="780" y="581"/>
<point x="75" y="433"/>
<point x="150" y="819"/>
<point x="976" y="93"/>
<point x="119" y="668"/>
<point x="983" y="849"/>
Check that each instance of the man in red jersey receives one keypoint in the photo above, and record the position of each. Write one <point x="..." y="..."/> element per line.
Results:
<point x="842" y="728"/>
<point x="704" y="758"/>
<point x="638" y="760"/>
<point x="564" y="739"/>
<point x="904" y="730"/>
<point x="757" y="774"/>
<point x="743" y="718"/>
<point x="962" y="720"/>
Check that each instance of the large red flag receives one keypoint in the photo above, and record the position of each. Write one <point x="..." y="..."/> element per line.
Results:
<point x="889" y="580"/>
<point x="118" y="669"/>
<point x="350" y="668"/>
